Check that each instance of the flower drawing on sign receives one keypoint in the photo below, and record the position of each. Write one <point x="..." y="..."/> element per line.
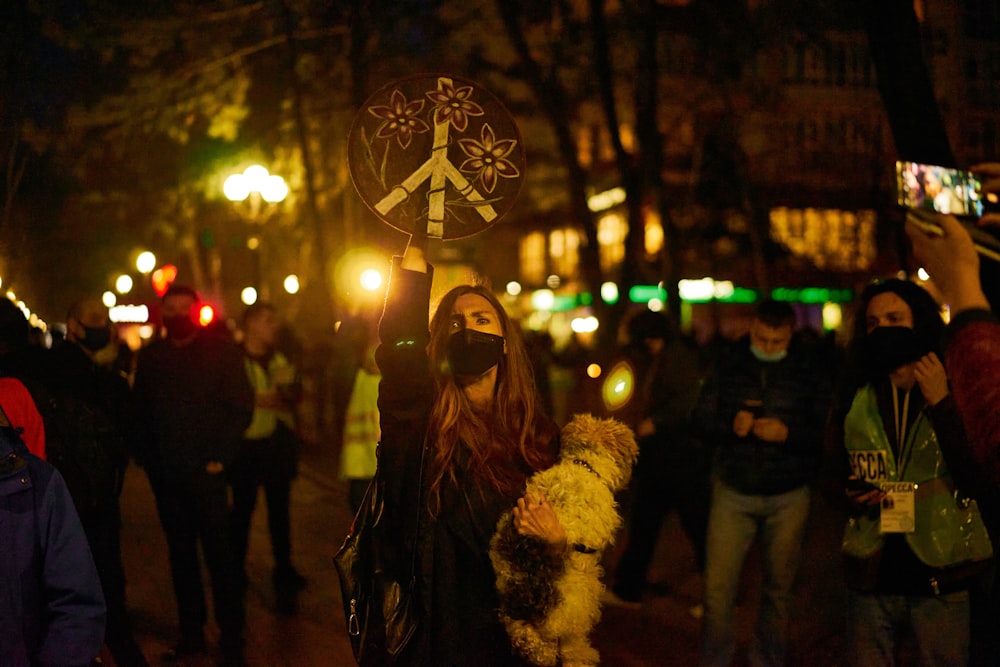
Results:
<point x="399" y="119"/>
<point x="452" y="104"/>
<point x="488" y="158"/>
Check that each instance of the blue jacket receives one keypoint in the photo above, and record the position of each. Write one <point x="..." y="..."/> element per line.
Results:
<point x="51" y="606"/>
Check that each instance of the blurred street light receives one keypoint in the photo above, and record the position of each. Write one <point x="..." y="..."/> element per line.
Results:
<point x="248" y="296"/>
<point x="163" y="277"/>
<point x="124" y="283"/>
<point x="109" y="299"/>
<point x="145" y="262"/>
<point x="255" y="180"/>
<point x="256" y="185"/>
<point x="371" y="279"/>
<point x="206" y="315"/>
<point x="292" y="283"/>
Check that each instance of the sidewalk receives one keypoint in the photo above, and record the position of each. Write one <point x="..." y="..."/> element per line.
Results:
<point x="660" y="633"/>
<point x="314" y="636"/>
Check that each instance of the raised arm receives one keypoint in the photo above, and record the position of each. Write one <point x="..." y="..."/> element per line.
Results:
<point x="415" y="255"/>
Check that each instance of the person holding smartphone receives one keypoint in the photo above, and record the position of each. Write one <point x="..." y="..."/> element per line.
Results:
<point x="972" y="360"/>
<point x="762" y="409"/>
<point x="972" y="350"/>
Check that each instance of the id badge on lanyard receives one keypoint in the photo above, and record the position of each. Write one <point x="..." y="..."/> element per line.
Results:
<point x="898" y="508"/>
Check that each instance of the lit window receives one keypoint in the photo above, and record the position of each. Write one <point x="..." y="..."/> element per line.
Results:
<point x="831" y="239"/>
<point x="533" y="258"/>
<point x="564" y="250"/>
<point x="654" y="234"/>
<point x="611" y="231"/>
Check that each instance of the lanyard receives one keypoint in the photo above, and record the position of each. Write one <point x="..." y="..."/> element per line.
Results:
<point x="900" y="420"/>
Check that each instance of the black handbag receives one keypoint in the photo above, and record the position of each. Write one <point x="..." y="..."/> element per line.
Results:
<point x="381" y="610"/>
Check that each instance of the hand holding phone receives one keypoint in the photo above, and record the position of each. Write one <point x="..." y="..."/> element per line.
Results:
<point x="949" y="254"/>
<point x="986" y="244"/>
<point x="858" y="485"/>
<point x="941" y="189"/>
<point x="862" y="494"/>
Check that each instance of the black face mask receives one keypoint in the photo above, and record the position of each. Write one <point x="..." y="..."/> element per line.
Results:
<point x="888" y="348"/>
<point x="473" y="352"/>
<point x="96" y="338"/>
<point x="179" y="327"/>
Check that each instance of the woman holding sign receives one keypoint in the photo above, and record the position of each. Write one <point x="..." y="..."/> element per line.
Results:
<point x="462" y="390"/>
<point x="915" y="542"/>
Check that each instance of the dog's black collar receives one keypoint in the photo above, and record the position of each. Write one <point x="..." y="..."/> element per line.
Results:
<point x="581" y="462"/>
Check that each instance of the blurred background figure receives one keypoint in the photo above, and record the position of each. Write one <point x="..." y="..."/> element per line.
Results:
<point x="672" y="471"/>
<point x="194" y="402"/>
<point x="268" y="453"/>
<point x="361" y="430"/>
<point x="763" y="408"/>
<point x="89" y="428"/>
<point x="20" y="358"/>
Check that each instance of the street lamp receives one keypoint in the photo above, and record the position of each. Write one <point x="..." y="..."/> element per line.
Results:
<point x="145" y="262"/>
<point x="255" y="182"/>
<point x="371" y="279"/>
<point x="248" y="296"/>
<point x="124" y="283"/>
<point x="257" y="185"/>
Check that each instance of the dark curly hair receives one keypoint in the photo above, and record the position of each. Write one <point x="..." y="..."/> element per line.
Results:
<point x="928" y="326"/>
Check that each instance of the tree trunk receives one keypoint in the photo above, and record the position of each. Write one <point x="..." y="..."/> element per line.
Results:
<point x="552" y="99"/>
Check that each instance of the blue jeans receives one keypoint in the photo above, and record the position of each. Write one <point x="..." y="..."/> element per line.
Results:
<point x="734" y="522"/>
<point x="875" y="623"/>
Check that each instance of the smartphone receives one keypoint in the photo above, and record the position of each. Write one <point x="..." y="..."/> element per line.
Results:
<point x="858" y="484"/>
<point x="931" y="187"/>
<point x="926" y="190"/>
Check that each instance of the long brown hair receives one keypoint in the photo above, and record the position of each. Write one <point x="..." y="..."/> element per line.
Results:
<point x="506" y="441"/>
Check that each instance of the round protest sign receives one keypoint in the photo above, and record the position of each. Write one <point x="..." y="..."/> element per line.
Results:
<point x="436" y="152"/>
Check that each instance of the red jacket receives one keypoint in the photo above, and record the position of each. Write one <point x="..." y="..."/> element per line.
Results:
<point x="22" y="413"/>
<point x="972" y="359"/>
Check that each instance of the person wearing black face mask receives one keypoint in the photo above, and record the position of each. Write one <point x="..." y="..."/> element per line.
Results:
<point x="89" y="423"/>
<point x="915" y="544"/>
<point x="194" y="402"/>
<point x="471" y="353"/>
<point x="462" y="390"/>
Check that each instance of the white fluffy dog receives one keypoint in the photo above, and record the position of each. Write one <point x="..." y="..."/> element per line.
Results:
<point x="549" y="602"/>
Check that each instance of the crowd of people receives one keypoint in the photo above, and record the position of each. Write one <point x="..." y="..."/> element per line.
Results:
<point x="912" y="465"/>
<point x="210" y="422"/>
<point x="903" y="438"/>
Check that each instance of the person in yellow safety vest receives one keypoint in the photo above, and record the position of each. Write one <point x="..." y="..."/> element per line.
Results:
<point x="915" y="543"/>
<point x="268" y="453"/>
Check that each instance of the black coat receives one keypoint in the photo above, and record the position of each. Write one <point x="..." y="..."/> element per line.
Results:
<point x="459" y="624"/>
<point x="193" y="403"/>
<point x="795" y="390"/>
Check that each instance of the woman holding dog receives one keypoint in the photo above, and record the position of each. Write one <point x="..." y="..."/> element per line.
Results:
<point x="461" y="394"/>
